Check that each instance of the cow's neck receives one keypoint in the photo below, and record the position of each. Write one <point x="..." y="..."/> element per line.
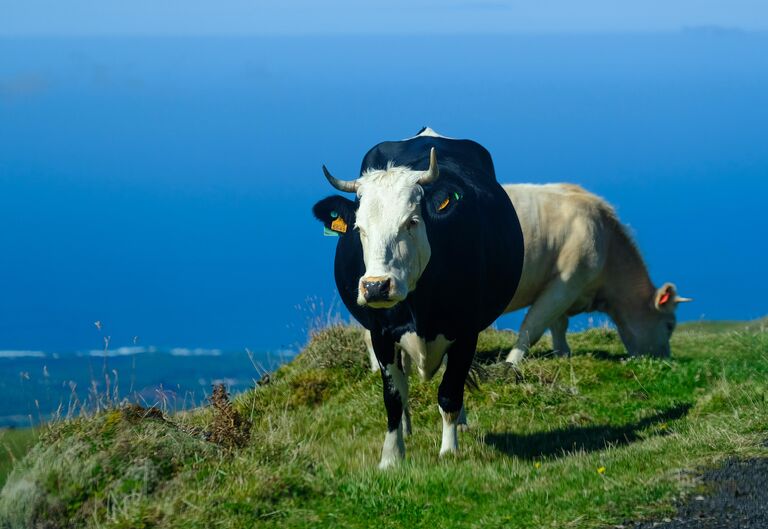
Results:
<point x="628" y="288"/>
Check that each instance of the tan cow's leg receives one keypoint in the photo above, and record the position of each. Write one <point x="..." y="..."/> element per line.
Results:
<point x="558" y="329"/>
<point x="551" y="305"/>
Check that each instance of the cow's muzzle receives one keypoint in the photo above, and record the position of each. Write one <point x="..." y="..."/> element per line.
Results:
<point x="376" y="289"/>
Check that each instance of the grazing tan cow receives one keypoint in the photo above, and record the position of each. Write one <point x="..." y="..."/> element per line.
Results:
<point x="580" y="258"/>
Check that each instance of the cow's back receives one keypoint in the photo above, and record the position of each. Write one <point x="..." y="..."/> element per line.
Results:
<point x="564" y="233"/>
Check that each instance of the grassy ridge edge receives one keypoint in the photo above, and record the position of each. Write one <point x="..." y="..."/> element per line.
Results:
<point x="581" y="442"/>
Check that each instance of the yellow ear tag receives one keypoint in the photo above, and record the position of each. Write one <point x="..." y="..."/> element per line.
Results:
<point x="444" y="204"/>
<point x="339" y="225"/>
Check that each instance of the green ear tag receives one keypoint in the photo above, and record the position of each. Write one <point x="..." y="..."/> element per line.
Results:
<point x="456" y="195"/>
<point x="329" y="233"/>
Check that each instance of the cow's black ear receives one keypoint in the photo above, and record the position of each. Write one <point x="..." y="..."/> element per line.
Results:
<point x="337" y="213"/>
<point x="443" y="201"/>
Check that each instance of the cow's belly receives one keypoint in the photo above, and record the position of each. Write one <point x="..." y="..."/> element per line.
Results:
<point x="425" y="356"/>
<point x="524" y="297"/>
<point x="588" y="301"/>
<point x="538" y="270"/>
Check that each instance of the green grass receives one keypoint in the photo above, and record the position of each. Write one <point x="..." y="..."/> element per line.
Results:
<point x="583" y="442"/>
<point x="14" y="444"/>
<point x="759" y="325"/>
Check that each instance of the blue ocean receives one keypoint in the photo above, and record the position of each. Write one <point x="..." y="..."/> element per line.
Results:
<point x="38" y="387"/>
<point x="163" y="186"/>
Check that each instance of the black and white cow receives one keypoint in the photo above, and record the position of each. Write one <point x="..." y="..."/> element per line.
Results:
<point x="422" y="264"/>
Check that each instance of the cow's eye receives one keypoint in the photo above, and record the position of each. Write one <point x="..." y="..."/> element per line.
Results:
<point x="412" y="222"/>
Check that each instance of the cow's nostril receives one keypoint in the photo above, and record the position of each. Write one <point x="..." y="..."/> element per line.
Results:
<point x="376" y="290"/>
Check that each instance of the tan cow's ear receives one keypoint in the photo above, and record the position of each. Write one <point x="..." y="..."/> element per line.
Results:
<point x="664" y="300"/>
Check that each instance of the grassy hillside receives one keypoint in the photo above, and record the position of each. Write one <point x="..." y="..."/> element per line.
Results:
<point x="14" y="443"/>
<point x="582" y="442"/>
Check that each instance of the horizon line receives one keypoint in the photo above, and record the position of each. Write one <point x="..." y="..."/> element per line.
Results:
<point x="705" y="29"/>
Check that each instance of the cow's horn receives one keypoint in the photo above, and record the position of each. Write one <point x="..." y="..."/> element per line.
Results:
<point x="431" y="174"/>
<point x="348" y="186"/>
<point x="678" y="299"/>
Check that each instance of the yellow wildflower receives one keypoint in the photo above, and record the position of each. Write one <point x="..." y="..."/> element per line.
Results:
<point x="601" y="470"/>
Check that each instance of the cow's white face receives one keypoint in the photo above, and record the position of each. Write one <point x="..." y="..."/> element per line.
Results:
<point x="392" y="232"/>
<point x="393" y="235"/>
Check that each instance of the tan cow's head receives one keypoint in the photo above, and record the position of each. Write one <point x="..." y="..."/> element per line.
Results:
<point x="650" y="327"/>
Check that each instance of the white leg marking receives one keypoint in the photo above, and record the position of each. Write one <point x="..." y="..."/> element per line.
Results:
<point x="407" y="362"/>
<point x="515" y="356"/>
<point x="450" y="442"/>
<point x="371" y="353"/>
<point x="393" y="450"/>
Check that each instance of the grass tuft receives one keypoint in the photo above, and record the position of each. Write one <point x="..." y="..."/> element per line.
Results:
<point x="336" y="347"/>
<point x="228" y="428"/>
<point x="311" y="388"/>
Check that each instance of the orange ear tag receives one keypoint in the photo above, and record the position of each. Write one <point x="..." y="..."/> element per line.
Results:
<point x="664" y="298"/>
<point x="444" y="204"/>
<point x="339" y="225"/>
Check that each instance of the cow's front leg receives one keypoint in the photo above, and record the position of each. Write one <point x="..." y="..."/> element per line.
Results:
<point x="405" y="362"/>
<point x="559" y="328"/>
<point x="395" y="393"/>
<point x="450" y="395"/>
<point x="462" y="421"/>
<point x="546" y="310"/>
<point x="405" y="366"/>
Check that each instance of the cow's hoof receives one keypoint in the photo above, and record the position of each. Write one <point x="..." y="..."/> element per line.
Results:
<point x="462" y="427"/>
<point x="393" y="450"/>
<point x="389" y="462"/>
<point x="448" y="452"/>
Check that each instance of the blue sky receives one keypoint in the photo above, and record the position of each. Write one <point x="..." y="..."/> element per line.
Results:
<point x="308" y="17"/>
<point x="163" y="185"/>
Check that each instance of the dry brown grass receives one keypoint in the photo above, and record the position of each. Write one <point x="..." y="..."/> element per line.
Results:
<point x="228" y="427"/>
